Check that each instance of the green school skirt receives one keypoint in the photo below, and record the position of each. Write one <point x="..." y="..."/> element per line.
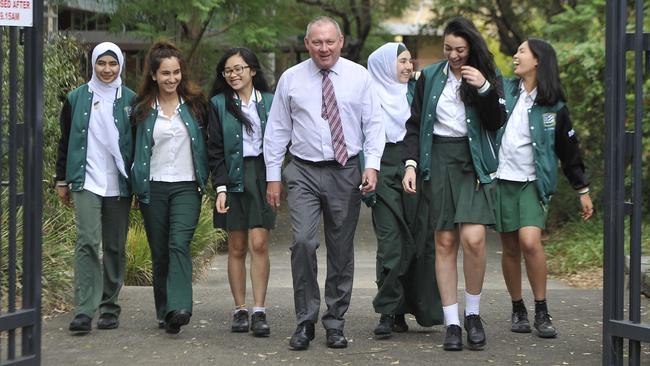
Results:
<point x="518" y="205"/>
<point x="248" y="209"/>
<point x="454" y="192"/>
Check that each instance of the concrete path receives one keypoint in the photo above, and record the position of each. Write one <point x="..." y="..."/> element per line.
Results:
<point x="208" y="341"/>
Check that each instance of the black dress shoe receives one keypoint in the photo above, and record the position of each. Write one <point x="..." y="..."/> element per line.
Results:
<point x="302" y="336"/>
<point x="519" y="322"/>
<point x="544" y="326"/>
<point x="384" y="329"/>
<point x="475" y="333"/>
<point x="453" y="338"/>
<point x="240" y="322"/>
<point x="107" y="321"/>
<point x="336" y="339"/>
<point x="81" y="324"/>
<point x="259" y="326"/>
<point x="176" y="319"/>
<point x="399" y="324"/>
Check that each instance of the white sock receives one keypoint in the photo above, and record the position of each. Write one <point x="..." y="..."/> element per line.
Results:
<point x="451" y="314"/>
<point x="472" y="303"/>
<point x="260" y="309"/>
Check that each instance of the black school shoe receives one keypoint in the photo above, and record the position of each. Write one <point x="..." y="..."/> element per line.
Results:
<point x="453" y="338"/>
<point x="302" y="336"/>
<point x="259" y="326"/>
<point x="336" y="338"/>
<point x="240" y="322"/>
<point x="544" y="326"/>
<point x="475" y="333"/>
<point x="107" y="321"/>
<point x="81" y="324"/>
<point x="176" y="319"/>
<point x="384" y="329"/>
<point x="519" y="322"/>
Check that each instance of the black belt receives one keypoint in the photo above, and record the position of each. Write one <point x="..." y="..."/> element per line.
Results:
<point x="253" y="157"/>
<point x="323" y="163"/>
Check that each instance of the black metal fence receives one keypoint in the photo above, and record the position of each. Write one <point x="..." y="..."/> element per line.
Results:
<point x="623" y="147"/>
<point x="21" y="138"/>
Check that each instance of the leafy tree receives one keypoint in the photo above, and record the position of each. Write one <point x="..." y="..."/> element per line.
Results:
<point x="510" y="20"/>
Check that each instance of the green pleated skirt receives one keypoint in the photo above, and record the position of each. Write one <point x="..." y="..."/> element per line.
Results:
<point x="454" y="192"/>
<point x="248" y="209"/>
<point x="518" y="205"/>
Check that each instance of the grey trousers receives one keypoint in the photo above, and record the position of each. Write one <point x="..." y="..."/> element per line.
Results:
<point x="332" y="191"/>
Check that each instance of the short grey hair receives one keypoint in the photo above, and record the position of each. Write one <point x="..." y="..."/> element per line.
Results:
<point x="324" y="19"/>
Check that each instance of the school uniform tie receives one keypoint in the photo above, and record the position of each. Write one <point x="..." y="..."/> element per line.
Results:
<point x="330" y="112"/>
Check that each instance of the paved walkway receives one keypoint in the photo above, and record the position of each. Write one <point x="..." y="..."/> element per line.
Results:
<point x="208" y="341"/>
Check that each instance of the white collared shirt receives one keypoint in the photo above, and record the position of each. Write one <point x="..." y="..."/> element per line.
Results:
<point x="450" y="111"/>
<point x="252" y="142"/>
<point x="516" y="159"/>
<point x="296" y="116"/>
<point x="101" y="172"/>
<point x="171" y="155"/>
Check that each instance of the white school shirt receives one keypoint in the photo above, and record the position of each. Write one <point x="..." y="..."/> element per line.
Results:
<point x="101" y="172"/>
<point x="252" y="142"/>
<point x="516" y="159"/>
<point x="171" y="155"/>
<point x="450" y="110"/>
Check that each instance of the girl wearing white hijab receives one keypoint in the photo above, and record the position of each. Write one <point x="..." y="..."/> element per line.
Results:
<point x="402" y="252"/>
<point x="95" y="150"/>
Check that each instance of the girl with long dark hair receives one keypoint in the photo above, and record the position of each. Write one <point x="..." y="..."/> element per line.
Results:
<point x="538" y="132"/>
<point x="450" y="142"/>
<point x="169" y="176"/>
<point x="236" y="122"/>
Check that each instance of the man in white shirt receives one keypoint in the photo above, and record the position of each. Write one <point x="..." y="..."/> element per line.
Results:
<point x="325" y="107"/>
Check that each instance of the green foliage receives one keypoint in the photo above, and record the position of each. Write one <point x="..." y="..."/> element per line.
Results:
<point x="579" y="245"/>
<point x="511" y="21"/>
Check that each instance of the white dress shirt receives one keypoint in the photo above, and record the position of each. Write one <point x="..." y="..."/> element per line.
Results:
<point x="516" y="159"/>
<point x="296" y="116"/>
<point x="101" y="170"/>
<point x="450" y="111"/>
<point x="252" y="142"/>
<point x="171" y="155"/>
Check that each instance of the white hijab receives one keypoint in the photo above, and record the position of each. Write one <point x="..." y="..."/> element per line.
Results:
<point x="382" y="65"/>
<point x="101" y="123"/>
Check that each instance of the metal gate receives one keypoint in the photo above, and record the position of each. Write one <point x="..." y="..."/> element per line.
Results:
<point x="622" y="146"/>
<point x="21" y="128"/>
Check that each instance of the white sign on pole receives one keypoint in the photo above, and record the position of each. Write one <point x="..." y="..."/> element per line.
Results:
<point x="17" y="13"/>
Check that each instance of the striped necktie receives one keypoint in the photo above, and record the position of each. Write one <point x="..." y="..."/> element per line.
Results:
<point x="330" y="112"/>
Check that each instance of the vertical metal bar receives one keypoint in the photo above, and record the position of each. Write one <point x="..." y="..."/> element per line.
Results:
<point x="2" y="62"/>
<point x="33" y="151"/>
<point x="13" y="96"/>
<point x="635" y="221"/>
<point x="613" y="192"/>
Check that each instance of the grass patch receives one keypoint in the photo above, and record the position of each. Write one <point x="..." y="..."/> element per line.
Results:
<point x="578" y="245"/>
